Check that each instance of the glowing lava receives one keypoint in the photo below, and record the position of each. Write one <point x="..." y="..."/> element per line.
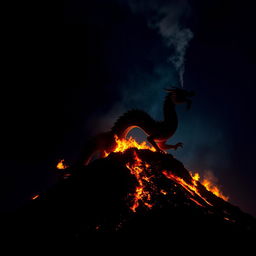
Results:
<point x="209" y="185"/>
<point x="35" y="197"/>
<point x="146" y="189"/>
<point x="142" y="194"/>
<point x="191" y="188"/>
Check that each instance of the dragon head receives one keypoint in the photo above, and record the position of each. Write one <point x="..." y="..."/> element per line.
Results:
<point x="180" y="96"/>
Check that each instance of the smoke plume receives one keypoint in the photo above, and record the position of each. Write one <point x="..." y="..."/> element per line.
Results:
<point x="167" y="18"/>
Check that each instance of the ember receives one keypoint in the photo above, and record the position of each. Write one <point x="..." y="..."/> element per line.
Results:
<point x="35" y="197"/>
<point x="192" y="189"/>
<point x="61" y="165"/>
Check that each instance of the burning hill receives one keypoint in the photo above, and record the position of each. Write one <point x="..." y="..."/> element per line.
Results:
<point x="133" y="189"/>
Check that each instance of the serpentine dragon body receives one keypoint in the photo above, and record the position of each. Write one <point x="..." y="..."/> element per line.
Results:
<point x="158" y="132"/>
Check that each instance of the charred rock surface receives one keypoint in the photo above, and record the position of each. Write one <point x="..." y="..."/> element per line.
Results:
<point x="99" y="198"/>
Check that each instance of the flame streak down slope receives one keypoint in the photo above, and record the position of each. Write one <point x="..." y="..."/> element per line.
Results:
<point x="209" y="185"/>
<point x="132" y="190"/>
<point x="192" y="189"/>
<point x="142" y="193"/>
<point x="145" y="189"/>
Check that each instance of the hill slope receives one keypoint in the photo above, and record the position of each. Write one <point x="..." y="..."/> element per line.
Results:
<point x="133" y="191"/>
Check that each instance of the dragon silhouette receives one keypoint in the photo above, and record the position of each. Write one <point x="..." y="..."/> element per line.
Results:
<point x="158" y="132"/>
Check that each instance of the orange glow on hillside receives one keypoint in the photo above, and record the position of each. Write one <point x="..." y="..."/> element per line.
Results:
<point x="143" y="191"/>
<point x="192" y="189"/>
<point x="124" y="144"/>
<point x="209" y="185"/>
<point x="141" y="194"/>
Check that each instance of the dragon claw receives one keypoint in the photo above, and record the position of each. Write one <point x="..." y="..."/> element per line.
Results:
<point x="161" y="151"/>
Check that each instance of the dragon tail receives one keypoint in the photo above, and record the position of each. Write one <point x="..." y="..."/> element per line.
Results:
<point x="100" y="144"/>
<point x="131" y="119"/>
<point x="105" y="142"/>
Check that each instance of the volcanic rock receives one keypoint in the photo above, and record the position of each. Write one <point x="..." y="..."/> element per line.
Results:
<point x="101" y="197"/>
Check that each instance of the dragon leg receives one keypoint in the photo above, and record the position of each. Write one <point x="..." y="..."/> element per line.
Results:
<point x="153" y="143"/>
<point x="164" y="146"/>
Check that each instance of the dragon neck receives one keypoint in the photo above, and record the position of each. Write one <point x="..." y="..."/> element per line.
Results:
<point x="170" y="115"/>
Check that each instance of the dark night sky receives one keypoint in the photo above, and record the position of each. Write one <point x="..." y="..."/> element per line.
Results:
<point x="68" y="81"/>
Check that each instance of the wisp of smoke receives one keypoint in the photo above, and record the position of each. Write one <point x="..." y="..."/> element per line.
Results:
<point x="167" y="18"/>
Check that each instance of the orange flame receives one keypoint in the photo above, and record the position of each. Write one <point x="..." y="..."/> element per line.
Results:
<point x="139" y="169"/>
<point x="124" y="144"/>
<point x="163" y="192"/>
<point x="61" y="165"/>
<point x="192" y="189"/>
<point x="209" y="185"/>
<point x="214" y="189"/>
<point x="141" y="194"/>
